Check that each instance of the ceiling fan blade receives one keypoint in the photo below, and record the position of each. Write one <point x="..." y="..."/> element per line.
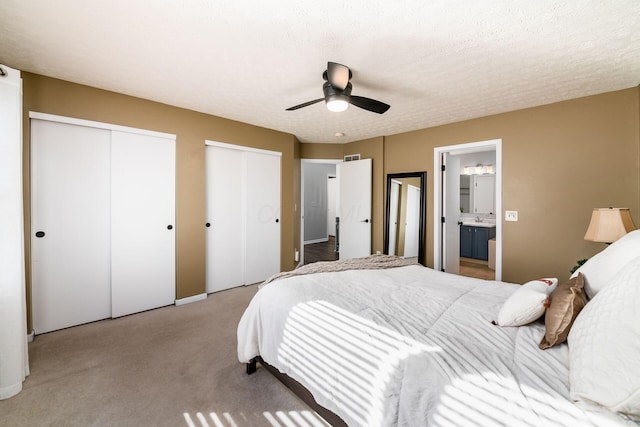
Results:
<point x="338" y="75"/>
<point x="369" y="104"/>
<point x="306" y="104"/>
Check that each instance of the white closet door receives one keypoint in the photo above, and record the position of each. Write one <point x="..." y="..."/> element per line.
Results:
<point x="262" y="219"/>
<point x="70" y="205"/>
<point x="143" y="221"/>
<point x="225" y="212"/>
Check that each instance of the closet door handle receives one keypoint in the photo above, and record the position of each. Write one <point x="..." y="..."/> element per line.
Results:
<point x="208" y="225"/>
<point x="39" y="234"/>
<point x="365" y="220"/>
<point x="169" y="227"/>
<point x="277" y="220"/>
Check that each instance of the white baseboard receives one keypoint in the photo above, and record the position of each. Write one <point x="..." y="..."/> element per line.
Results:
<point x="187" y="300"/>
<point x="309" y="242"/>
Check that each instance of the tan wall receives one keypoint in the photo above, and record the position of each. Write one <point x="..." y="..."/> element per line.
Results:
<point x="47" y="95"/>
<point x="321" y="151"/>
<point x="559" y="162"/>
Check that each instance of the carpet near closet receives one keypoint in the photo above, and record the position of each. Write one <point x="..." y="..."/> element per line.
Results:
<point x="172" y="366"/>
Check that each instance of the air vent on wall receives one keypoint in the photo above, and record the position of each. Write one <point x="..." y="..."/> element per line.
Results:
<point x="351" y="157"/>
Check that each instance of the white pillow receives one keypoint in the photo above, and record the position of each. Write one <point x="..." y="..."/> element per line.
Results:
<point x="603" y="266"/>
<point x="604" y="346"/>
<point x="528" y="303"/>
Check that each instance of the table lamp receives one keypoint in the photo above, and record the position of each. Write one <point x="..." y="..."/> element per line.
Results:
<point x="609" y="224"/>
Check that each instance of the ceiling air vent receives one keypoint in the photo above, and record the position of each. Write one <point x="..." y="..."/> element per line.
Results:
<point x="351" y="157"/>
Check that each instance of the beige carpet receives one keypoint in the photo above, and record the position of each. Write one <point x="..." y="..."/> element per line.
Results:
<point x="174" y="366"/>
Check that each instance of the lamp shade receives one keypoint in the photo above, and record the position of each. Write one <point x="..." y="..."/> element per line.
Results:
<point x="609" y="224"/>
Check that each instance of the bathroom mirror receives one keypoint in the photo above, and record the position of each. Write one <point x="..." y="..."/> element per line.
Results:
<point x="477" y="182"/>
<point x="405" y="215"/>
<point x="477" y="194"/>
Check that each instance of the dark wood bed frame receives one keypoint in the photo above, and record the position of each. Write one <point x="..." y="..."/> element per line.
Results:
<point x="299" y="390"/>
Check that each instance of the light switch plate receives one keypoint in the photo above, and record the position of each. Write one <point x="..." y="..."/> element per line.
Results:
<point x="511" y="215"/>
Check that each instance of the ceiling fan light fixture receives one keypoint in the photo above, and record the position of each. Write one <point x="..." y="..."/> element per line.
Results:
<point x="337" y="92"/>
<point x="337" y="105"/>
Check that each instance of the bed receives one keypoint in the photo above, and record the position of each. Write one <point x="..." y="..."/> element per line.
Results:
<point x="411" y="346"/>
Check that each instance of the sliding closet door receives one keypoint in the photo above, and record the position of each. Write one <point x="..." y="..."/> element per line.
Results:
<point x="225" y="213"/>
<point x="70" y="216"/>
<point x="142" y="222"/>
<point x="243" y="216"/>
<point x="262" y="216"/>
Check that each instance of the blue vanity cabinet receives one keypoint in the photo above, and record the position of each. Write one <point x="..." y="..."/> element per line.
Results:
<point x="481" y="243"/>
<point x="474" y="241"/>
<point x="466" y="241"/>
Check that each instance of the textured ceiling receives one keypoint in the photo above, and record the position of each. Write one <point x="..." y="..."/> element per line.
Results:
<point x="434" y="62"/>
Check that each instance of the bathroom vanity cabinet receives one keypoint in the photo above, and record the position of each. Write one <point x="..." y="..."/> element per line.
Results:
<point x="474" y="241"/>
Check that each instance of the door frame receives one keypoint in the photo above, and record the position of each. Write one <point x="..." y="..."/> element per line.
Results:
<point x="438" y="197"/>
<point x="302" y="168"/>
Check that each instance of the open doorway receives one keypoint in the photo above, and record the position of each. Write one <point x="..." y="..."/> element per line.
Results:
<point x="468" y="209"/>
<point x="318" y="199"/>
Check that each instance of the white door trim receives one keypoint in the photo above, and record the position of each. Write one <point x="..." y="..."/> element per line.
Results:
<point x="493" y="144"/>
<point x="241" y="148"/>
<point x="98" y="125"/>
<point x="302" y="163"/>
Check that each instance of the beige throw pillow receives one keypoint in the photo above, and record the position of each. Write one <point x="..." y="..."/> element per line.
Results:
<point x="566" y="302"/>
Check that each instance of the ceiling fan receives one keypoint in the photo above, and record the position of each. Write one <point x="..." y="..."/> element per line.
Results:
<point x="337" y="92"/>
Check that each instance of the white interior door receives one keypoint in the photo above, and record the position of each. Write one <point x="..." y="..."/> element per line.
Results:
<point x="70" y="209"/>
<point x="142" y="222"/>
<point x="451" y="207"/>
<point x="412" y="222"/>
<point x="354" y="208"/>
<point x="262" y="219"/>
<point x="394" y="206"/>
<point x="225" y="213"/>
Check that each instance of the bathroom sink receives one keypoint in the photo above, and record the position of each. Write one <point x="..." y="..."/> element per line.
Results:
<point x="479" y="224"/>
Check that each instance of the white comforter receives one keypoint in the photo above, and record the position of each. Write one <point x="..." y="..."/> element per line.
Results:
<point x="411" y="346"/>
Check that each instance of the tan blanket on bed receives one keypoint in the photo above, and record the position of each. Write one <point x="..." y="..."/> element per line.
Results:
<point x="373" y="262"/>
